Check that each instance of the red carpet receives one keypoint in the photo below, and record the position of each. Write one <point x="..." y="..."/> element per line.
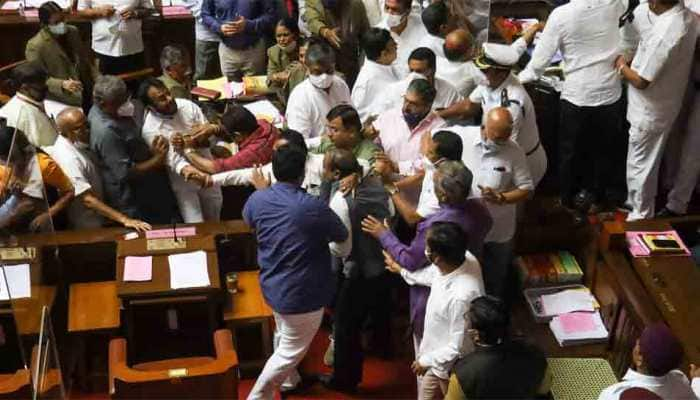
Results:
<point x="382" y="379"/>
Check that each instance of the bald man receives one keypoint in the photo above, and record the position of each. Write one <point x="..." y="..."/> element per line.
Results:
<point x="457" y="66"/>
<point x="71" y="151"/>
<point x="501" y="179"/>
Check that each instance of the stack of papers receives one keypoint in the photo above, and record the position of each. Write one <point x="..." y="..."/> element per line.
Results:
<point x="578" y="328"/>
<point x="188" y="270"/>
<point x="18" y="283"/>
<point x="568" y="301"/>
<point x="138" y="269"/>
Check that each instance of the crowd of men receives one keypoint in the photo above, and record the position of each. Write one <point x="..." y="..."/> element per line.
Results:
<point x="408" y="144"/>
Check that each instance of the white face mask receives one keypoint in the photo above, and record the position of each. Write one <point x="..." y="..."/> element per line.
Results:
<point x="323" y="81"/>
<point x="492" y="145"/>
<point x="126" y="109"/>
<point x="415" y="75"/>
<point x="58" y="29"/>
<point x="393" y="20"/>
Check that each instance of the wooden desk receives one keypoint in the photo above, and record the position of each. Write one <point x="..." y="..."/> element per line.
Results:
<point x="248" y="307"/>
<point x="93" y="306"/>
<point x="674" y="285"/>
<point x="157" y="33"/>
<point x="636" y="292"/>
<point x="159" y="285"/>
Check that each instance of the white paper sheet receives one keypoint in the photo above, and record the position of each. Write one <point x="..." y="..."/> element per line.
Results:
<point x="18" y="281"/>
<point x="568" y="301"/>
<point x="188" y="270"/>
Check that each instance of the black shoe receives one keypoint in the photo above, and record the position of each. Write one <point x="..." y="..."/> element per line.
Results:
<point x="666" y="213"/>
<point x="306" y="382"/>
<point x="329" y="382"/>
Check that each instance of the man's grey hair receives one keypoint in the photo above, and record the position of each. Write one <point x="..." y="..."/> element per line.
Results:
<point x="172" y="55"/>
<point x="109" y="89"/>
<point x="455" y="179"/>
<point x="319" y="53"/>
<point x="422" y="88"/>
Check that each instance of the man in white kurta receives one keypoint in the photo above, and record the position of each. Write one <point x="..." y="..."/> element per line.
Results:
<point x="658" y="76"/>
<point x="453" y="285"/>
<point x="376" y="73"/>
<point x="591" y="140"/>
<point x="406" y="28"/>
<point x="196" y="204"/>
<point x="25" y="110"/>
<point x="116" y="32"/>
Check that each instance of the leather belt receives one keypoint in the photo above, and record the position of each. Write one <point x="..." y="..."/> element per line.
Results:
<point x="534" y="149"/>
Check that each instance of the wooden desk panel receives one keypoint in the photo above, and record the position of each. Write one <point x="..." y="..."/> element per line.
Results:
<point x="673" y="282"/>
<point x="93" y="306"/>
<point x="249" y="302"/>
<point x="27" y="311"/>
<point x="159" y="285"/>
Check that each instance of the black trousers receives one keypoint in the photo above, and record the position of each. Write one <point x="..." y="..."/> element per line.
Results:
<point x="592" y="151"/>
<point x="118" y="65"/>
<point x="358" y="300"/>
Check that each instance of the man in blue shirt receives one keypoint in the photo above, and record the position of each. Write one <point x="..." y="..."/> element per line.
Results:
<point x="241" y="24"/>
<point x="293" y="230"/>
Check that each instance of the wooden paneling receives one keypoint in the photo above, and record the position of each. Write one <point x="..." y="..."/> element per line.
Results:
<point x="93" y="306"/>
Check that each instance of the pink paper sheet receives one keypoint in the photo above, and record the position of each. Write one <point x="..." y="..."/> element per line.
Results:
<point x="138" y="269"/>
<point x="576" y="322"/>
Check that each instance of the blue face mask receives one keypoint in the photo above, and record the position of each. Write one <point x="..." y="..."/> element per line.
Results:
<point x="413" y="119"/>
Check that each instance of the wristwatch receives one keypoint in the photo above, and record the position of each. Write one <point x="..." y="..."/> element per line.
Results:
<point x="391" y="189"/>
<point x="189" y="150"/>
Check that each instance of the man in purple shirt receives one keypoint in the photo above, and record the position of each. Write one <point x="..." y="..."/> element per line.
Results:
<point x="452" y="181"/>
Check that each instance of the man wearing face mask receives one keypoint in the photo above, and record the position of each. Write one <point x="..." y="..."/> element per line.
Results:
<point x="135" y="182"/>
<point x="57" y="47"/>
<point x="340" y="23"/>
<point x="406" y="29"/>
<point x="25" y="110"/>
<point x="422" y="64"/>
<point x="502" y="89"/>
<point x="657" y="77"/>
<point x="400" y="129"/>
<point x="316" y="95"/>
<point x="502" y="179"/>
<point x="454" y="278"/>
<point x="452" y="181"/>
<point x="177" y="72"/>
<point x="376" y="72"/>
<point x="168" y="116"/>
<point x="72" y="153"/>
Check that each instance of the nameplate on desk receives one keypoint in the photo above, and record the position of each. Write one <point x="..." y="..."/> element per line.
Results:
<point x="169" y="233"/>
<point x="166" y="244"/>
<point x="17" y="253"/>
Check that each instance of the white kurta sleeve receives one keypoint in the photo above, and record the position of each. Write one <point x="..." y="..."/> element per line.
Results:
<point x="236" y="177"/>
<point x="422" y="277"/>
<point x="340" y="208"/>
<point x="547" y="45"/>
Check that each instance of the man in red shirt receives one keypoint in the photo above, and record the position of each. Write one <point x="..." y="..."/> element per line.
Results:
<point x="254" y="138"/>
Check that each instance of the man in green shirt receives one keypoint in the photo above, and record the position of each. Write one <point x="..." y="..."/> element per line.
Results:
<point x="344" y="131"/>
